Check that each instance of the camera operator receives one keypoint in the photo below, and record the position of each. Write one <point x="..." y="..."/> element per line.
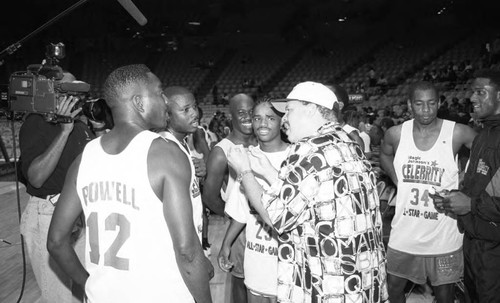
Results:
<point x="47" y="151"/>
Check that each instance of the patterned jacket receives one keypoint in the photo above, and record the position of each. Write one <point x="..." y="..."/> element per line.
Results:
<point x="325" y="207"/>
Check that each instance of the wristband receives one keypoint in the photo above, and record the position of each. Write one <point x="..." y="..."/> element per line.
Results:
<point x="243" y="173"/>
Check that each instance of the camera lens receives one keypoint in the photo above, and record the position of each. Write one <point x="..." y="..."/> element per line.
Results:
<point x="96" y="110"/>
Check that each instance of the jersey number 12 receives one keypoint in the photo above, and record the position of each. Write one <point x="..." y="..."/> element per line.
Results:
<point x="110" y="256"/>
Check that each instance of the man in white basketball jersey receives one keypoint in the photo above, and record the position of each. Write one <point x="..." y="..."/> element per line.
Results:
<point x="182" y="121"/>
<point x="142" y="244"/>
<point x="221" y="186"/>
<point x="420" y="158"/>
<point x="261" y="250"/>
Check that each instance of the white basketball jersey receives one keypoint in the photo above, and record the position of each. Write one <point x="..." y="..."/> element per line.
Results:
<point x="227" y="192"/>
<point x="417" y="227"/>
<point x="261" y="253"/>
<point x="129" y="252"/>
<point x="195" y="186"/>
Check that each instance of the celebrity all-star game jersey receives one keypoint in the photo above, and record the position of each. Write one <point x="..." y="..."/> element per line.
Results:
<point x="261" y="252"/>
<point x="432" y="233"/>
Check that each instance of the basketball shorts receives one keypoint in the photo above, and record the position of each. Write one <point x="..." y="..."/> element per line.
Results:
<point x="255" y="297"/>
<point x="439" y="270"/>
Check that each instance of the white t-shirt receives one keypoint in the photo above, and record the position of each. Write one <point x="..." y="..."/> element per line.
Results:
<point x="261" y="252"/>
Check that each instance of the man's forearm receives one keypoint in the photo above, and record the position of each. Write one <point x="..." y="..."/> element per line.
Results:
<point x="195" y="275"/>
<point x="43" y="166"/>
<point x="66" y="258"/>
<point x="232" y="232"/>
<point x="214" y="203"/>
<point x="270" y="175"/>
<point x="386" y="162"/>
<point x="253" y="192"/>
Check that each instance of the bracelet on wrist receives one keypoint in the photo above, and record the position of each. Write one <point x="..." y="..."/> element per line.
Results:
<point x="243" y="173"/>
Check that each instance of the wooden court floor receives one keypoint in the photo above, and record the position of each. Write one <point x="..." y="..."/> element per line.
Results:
<point x="11" y="259"/>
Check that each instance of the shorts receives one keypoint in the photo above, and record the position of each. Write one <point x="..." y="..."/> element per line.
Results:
<point x="439" y="270"/>
<point x="237" y="255"/>
<point x="255" y="297"/>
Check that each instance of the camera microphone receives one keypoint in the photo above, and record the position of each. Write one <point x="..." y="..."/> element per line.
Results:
<point x="75" y="86"/>
<point x="134" y="11"/>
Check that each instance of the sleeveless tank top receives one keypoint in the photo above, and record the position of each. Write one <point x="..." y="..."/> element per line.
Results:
<point x="417" y="227"/>
<point x="226" y="145"/>
<point x="233" y="195"/>
<point x="195" y="185"/>
<point x="129" y="253"/>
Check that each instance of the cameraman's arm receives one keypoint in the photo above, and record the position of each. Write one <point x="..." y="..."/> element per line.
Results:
<point x="43" y="165"/>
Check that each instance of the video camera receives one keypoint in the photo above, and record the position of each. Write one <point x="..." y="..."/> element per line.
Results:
<point x="40" y="90"/>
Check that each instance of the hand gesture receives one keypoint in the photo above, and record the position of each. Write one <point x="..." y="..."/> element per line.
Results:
<point x="259" y="162"/>
<point x="223" y="259"/>
<point x="438" y="199"/>
<point x="457" y="203"/>
<point x="200" y="169"/>
<point x="238" y="159"/>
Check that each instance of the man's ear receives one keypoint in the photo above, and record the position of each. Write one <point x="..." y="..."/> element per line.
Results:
<point x="310" y="109"/>
<point x="341" y="105"/>
<point x="409" y="106"/>
<point x="138" y="103"/>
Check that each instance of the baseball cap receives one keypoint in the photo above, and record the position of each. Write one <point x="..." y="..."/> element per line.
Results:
<point x="308" y="91"/>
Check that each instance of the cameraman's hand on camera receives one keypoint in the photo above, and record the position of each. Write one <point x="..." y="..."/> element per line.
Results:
<point x="65" y="108"/>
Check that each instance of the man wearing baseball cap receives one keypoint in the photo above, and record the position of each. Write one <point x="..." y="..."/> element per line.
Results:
<point x="324" y="205"/>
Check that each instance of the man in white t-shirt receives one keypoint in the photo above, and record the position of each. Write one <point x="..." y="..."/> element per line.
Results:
<point x="261" y="250"/>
